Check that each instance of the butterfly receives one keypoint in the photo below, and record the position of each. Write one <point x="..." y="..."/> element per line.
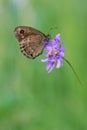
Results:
<point x="31" y="41"/>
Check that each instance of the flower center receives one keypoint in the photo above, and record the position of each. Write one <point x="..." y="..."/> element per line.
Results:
<point x="54" y="51"/>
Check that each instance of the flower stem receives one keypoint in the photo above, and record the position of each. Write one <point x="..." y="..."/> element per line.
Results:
<point x="74" y="71"/>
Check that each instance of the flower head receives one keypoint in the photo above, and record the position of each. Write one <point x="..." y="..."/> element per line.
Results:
<point x="54" y="53"/>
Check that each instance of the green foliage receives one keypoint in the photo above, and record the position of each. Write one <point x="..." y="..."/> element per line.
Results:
<point x="30" y="98"/>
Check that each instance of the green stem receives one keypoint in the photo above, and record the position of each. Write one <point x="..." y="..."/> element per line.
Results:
<point x="73" y="71"/>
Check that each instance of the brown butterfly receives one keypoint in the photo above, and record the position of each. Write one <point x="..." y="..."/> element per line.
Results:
<point x="31" y="41"/>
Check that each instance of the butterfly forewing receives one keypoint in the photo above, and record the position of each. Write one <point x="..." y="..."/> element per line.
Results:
<point x="31" y="41"/>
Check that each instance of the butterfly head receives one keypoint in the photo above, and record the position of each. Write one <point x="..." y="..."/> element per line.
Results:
<point x="48" y="37"/>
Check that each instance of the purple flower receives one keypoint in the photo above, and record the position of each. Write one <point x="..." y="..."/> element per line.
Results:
<point x="54" y="53"/>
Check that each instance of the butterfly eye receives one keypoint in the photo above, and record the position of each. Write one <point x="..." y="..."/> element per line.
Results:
<point x="21" y="31"/>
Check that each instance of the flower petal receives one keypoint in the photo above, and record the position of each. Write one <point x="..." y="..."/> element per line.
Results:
<point x="44" y="60"/>
<point x="48" y="66"/>
<point x="58" y="37"/>
<point x="58" y="63"/>
<point x="51" y="68"/>
<point x="62" y="53"/>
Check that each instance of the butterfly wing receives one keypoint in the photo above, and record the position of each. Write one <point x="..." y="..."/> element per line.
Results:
<point x="32" y="46"/>
<point x="31" y="41"/>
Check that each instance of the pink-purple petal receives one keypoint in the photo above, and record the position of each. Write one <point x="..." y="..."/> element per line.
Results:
<point x="62" y="53"/>
<point x="58" y="37"/>
<point x="51" y="68"/>
<point x="48" y="66"/>
<point x="44" y="60"/>
<point x="58" y="63"/>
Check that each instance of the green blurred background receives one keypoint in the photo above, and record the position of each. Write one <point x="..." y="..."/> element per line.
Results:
<point x="30" y="98"/>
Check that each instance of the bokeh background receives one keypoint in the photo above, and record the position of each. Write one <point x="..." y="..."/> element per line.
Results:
<point x="30" y="98"/>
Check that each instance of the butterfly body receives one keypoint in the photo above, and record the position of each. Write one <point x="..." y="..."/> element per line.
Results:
<point x="31" y="41"/>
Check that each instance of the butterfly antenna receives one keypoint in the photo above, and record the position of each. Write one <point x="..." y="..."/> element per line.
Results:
<point x="51" y="29"/>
